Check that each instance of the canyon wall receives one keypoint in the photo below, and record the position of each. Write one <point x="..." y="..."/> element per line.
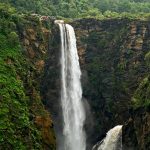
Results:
<point x="112" y="55"/>
<point x="115" y="78"/>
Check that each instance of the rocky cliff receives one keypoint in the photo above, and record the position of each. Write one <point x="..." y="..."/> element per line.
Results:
<point x="25" y="122"/>
<point x="35" y="36"/>
<point x="113" y="56"/>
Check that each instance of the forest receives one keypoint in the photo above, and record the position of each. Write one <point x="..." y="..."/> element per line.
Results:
<point x="80" y="8"/>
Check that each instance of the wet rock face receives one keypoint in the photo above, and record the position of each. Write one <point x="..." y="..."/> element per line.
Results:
<point x="136" y="131"/>
<point x="129" y="136"/>
<point x="112" y="60"/>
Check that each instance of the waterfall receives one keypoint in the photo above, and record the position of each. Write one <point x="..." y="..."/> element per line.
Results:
<point x="71" y="91"/>
<point x="112" y="141"/>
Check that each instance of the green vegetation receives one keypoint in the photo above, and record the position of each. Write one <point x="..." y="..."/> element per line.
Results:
<point x="82" y="8"/>
<point x="141" y="96"/>
<point x="132" y="6"/>
<point x="147" y="59"/>
<point x="115" y="69"/>
<point x="16" y="129"/>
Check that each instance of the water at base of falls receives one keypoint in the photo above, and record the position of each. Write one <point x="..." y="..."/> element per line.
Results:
<point x="112" y="141"/>
<point x="71" y="91"/>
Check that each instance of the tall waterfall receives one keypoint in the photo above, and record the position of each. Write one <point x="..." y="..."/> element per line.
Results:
<point x="71" y="91"/>
<point x="113" y="140"/>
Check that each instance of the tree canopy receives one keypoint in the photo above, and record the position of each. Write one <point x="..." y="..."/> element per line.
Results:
<point x="76" y="8"/>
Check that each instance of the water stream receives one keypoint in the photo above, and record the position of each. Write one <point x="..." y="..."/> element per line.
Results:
<point x="71" y="91"/>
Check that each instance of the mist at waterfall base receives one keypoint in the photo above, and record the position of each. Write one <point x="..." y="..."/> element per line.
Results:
<point x="73" y="113"/>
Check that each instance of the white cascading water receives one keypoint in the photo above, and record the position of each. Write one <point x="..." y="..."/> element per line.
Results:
<point x="71" y="91"/>
<point x="112" y="141"/>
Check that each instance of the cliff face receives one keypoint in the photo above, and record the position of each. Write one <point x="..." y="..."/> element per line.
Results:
<point x="34" y="37"/>
<point x="136" y="130"/>
<point x="112" y="55"/>
<point x="114" y="77"/>
<point x="25" y="122"/>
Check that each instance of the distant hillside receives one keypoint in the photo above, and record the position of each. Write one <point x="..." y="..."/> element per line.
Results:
<point x="80" y="8"/>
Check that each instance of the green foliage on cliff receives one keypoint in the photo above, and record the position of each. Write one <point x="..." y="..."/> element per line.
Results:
<point x="142" y="95"/>
<point x="16" y="129"/>
<point x="147" y="59"/>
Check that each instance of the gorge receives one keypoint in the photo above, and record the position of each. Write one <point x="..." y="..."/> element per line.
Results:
<point x="113" y="54"/>
<point x="105" y="61"/>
